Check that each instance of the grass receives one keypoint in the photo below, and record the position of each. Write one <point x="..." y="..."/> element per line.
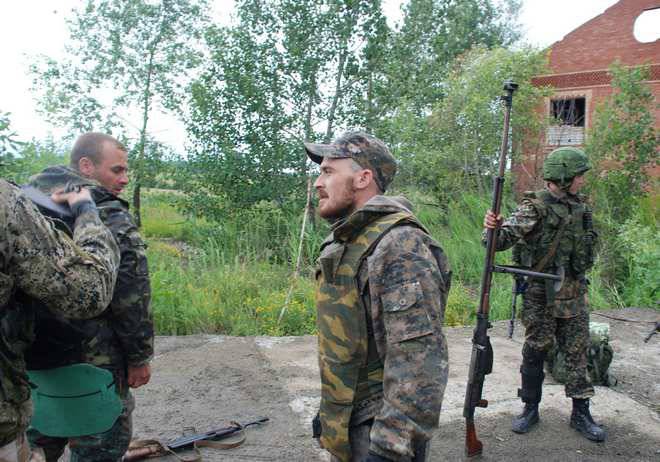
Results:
<point x="233" y="277"/>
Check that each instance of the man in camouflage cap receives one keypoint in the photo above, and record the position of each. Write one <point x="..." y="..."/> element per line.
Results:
<point x="382" y="285"/>
<point x="74" y="277"/>
<point x="552" y="232"/>
<point x="121" y="339"/>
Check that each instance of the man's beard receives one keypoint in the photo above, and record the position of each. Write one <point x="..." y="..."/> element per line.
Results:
<point x="342" y="206"/>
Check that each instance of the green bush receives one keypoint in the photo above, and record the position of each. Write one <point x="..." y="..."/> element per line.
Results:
<point x="640" y="246"/>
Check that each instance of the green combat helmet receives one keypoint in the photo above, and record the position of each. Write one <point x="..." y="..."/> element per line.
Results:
<point x="564" y="164"/>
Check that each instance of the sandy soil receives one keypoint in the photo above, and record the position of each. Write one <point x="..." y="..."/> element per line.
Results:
<point x="207" y="381"/>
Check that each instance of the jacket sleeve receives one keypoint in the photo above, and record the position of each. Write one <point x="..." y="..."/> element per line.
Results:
<point x="130" y="310"/>
<point x="523" y="221"/>
<point x="409" y="281"/>
<point x="72" y="277"/>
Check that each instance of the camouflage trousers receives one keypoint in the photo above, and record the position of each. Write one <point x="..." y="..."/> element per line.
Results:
<point x="543" y="329"/>
<point x="360" y="442"/>
<point x="16" y="451"/>
<point x="109" y="446"/>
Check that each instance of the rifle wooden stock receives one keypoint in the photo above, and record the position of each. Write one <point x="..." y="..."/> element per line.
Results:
<point x="481" y="361"/>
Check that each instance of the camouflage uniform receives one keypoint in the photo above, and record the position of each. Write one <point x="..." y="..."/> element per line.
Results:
<point x="382" y="288"/>
<point x="547" y="316"/>
<point x="120" y="337"/>
<point x="73" y="277"/>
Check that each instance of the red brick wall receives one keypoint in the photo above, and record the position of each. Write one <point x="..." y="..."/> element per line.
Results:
<point x="579" y="66"/>
<point x="609" y="36"/>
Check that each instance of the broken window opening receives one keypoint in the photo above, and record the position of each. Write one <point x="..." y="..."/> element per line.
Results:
<point x="568" y="111"/>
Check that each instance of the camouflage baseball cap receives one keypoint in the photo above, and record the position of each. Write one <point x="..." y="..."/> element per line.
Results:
<point x="367" y="151"/>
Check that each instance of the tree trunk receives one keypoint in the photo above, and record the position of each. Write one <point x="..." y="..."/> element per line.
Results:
<point x="338" y="93"/>
<point x="309" y="207"/>
<point x="139" y="164"/>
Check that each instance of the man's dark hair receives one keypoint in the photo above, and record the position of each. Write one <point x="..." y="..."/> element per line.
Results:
<point x="90" y="145"/>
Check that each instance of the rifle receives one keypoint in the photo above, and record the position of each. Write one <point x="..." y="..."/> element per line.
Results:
<point x="141" y="449"/>
<point x="519" y="286"/>
<point x="481" y="360"/>
<point x="235" y="427"/>
<point x="653" y="332"/>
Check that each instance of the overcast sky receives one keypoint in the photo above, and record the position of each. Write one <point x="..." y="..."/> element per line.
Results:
<point x="32" y="27"/>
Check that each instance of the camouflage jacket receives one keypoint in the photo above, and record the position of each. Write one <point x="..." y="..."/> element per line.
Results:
<point x="121" y="336"/>
<point x="404" y="285"/>
<point x="73" y="277"/>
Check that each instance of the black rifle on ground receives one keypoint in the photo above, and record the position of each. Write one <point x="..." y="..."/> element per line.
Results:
<point x="653" y="332"/>
<point x="217" y="434"/>
<point x="143" y="449"/>
<point x="481" y="361"/>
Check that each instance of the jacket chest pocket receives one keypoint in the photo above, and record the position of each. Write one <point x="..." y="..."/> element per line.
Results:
<point x="404" y="314"/>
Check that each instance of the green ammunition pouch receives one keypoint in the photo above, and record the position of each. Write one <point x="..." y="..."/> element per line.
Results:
<point x="74" y="400"/>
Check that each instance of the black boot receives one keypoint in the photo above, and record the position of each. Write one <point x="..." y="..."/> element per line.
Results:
<point x="525" y="421"/>
<point x="532" y="376"/>
<point x="582" y="421"/>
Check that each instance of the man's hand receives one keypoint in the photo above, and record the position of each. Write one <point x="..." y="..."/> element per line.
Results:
<point x="139" y="375"/>
<point x="491" y="221"/>
<point x="71" y="197"/>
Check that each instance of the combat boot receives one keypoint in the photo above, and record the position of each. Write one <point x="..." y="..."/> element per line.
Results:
<point x="525" y="421"/>
<point x="531" y="373"/>
<point x="582" y="421"/>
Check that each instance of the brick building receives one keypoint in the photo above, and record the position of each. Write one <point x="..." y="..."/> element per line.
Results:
<point x="579" y="75"/>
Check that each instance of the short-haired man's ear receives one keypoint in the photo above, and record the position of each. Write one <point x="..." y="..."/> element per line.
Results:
<point x="365" y="178"/>
<point x="86" y="166"/>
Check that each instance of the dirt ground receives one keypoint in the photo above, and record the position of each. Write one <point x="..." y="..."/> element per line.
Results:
<point x="205" y="381"/>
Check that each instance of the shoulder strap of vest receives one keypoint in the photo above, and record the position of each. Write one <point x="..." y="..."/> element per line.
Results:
<point x="553" y="246"/>
<point x="536" y="199"/>
<point x="390" y="222"/>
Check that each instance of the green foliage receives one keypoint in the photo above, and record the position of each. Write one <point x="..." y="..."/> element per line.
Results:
<point x="210" y="296"/>
<point x="268" y="86"/>
<point x="464" y="132"/>
<point x="622" y="146"/>
<point x="232" y="277"/>
<point x="9" y="145"/>
<point x="640" y="246"/>
<point x="433" y="34"/>
<point x="622" y="143"/>
<point x="20" y="160"/>
<point x="143" y="50"/>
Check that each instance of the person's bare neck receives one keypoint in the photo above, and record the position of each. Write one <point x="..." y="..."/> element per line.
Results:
<point x="364" y="196"/>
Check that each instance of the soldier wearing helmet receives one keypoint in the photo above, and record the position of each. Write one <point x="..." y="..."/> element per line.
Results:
<point x="552" y="232"/>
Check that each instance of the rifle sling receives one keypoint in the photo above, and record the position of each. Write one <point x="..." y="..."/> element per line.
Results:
<point x="553" y="248"/>
<point x="146" y="449"/>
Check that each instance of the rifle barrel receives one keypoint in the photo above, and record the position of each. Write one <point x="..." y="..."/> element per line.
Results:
<point x="215" y="434"/>
<point x="481" y="361"/>
<point x="525" y="272"/>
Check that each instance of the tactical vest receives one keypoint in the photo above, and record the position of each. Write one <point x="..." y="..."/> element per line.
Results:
<point x="347" y="375"/>
<point x="563" y="244"/>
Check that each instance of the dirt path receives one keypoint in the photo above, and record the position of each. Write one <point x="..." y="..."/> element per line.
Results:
<point x="205" y="381"/>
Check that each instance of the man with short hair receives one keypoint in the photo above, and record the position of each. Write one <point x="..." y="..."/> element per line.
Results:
<point x="120" y="340"/>
<point x="73" y="277"/>
<point x="553" y="233"/>
<point x="382" y="286"/>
